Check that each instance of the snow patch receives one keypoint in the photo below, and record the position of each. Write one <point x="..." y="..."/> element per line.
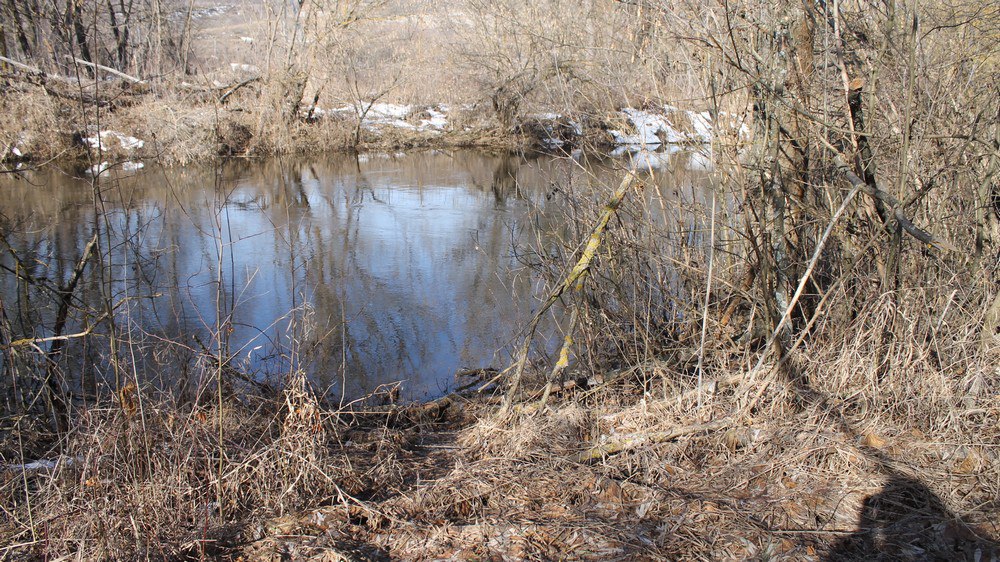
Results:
<point x="15" y="149"/>
<point x="671" y="125"/>
<point x="651" y="129"/>
<point x="702" y="123"/>
<point x="438" y="120"/>
<point x="647" y="129"/>
<point x="385" y="111"/>
<point x="248" y="68"/>
<point x="378" y="115"/>
<point x="102" y="140"/>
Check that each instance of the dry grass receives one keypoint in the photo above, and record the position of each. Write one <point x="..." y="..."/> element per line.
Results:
<point x="870" y="432"/>
<point x="854" y="449"/>
<point x="149" y="479"/>
<point x="35" y="131"/>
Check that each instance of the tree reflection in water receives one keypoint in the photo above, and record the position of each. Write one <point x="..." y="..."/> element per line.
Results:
<point x="395" y="268"/>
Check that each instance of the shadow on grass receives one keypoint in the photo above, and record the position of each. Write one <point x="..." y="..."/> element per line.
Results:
<point x="906" y="521"/>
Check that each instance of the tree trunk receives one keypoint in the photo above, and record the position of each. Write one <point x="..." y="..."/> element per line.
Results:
<point x="76" y="18"/>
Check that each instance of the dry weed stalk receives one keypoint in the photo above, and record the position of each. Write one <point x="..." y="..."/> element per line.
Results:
<point x="829" y="390"/>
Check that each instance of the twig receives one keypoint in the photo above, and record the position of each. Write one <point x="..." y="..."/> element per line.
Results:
<point x="36" y="341"/>
<point x="805" y="276"/>
<point x="708" y="295"/>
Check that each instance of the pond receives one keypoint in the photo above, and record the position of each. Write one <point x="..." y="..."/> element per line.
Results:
<point x="360" y="271"/>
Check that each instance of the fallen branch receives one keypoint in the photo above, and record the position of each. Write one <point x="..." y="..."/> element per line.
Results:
<point x="636" y="440"/>
<point x="21" y="66"/>
<point x="894" y="207"/>
<point x="575" y="278"/>
<point x="233" y="89"/>
<point x="107" y="69"/>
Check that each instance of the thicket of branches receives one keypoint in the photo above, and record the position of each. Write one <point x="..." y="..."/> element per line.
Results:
<point x="132" y="36"/>
<point x="850" y="249"/>
<point x="871" y="174"/>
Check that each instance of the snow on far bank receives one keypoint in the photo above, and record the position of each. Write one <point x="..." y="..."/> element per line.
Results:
<point x="437" y="120"/>
<point x="16" y="150"/>
<point x="671" y="126"/>
<point x="103" y="141"/>
<point x="241" y="67"/>
<point x="643" y="129"/>
<point x="651" y="129"/>
<point x="378" y="115"/>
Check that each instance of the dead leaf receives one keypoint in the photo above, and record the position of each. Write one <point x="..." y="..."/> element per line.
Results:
<point x="969" y="464"/>
<point x="874" y="441"/>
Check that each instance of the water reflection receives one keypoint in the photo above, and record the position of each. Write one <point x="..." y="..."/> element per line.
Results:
<point x="392" y="268"/>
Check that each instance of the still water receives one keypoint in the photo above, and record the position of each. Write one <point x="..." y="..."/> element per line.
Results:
<point x="361" y="272"/>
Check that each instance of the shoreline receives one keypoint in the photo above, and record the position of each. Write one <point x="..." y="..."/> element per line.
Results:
<point x="180" y="132"/>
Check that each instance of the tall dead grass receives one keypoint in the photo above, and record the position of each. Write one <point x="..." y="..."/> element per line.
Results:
<point x="703" y="416"/>
<point x="150" y="478"/>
